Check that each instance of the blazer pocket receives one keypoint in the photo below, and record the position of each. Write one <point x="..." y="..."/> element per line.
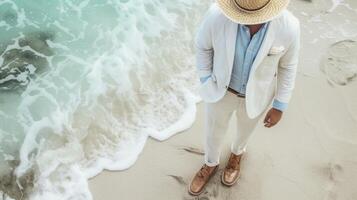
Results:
<point x="272" y="55"/>
<point x="276" y="50"/>
<point x="272" y="59"/>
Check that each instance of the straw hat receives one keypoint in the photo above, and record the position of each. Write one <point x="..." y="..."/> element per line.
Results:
<point x="252" y="11"/>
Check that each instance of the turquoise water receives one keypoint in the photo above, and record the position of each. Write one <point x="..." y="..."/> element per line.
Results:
<point x="84" y="83"/>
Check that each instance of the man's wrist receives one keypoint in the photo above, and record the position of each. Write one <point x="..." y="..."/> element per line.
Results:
<point x="277" y="110"/>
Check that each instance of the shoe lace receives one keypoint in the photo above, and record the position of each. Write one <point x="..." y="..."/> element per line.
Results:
<point x="204" y="172"/>
<point x="233" y="162"/>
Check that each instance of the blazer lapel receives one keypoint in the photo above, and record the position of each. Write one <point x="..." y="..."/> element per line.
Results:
<point x="230" y="32"/>
<point x="265" y="46"/>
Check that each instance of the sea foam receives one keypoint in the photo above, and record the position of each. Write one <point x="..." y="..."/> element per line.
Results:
<point x="114" y="73"/>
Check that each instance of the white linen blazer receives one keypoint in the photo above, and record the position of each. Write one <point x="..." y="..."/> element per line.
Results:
<point x="273" y="71"/>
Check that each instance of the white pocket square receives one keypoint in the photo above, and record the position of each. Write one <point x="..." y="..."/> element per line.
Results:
<point x="276" y="50"/>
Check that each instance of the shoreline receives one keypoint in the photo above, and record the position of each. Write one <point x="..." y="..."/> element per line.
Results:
<point x="301" y="171"/>
<point x="309" y="154"/>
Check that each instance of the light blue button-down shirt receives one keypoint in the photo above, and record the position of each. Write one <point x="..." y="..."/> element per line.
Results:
<point x="246" y="50"/>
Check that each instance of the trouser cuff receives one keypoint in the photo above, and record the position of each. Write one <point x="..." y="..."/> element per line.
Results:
<point x="211" y="164"/>
<point x="238" y="151"/>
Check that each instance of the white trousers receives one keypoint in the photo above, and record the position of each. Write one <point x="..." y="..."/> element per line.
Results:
<point x="217" y="117"/>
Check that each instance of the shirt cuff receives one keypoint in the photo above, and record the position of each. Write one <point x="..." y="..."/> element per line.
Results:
<point x="279" y="105"/>
<point x="203" y="79"/>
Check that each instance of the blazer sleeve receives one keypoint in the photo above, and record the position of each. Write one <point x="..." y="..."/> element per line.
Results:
<point x="287" y="68"/>
<point x="203" y="46"/>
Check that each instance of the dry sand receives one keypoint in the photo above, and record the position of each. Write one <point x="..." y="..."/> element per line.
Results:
<point x="311" y="154"/>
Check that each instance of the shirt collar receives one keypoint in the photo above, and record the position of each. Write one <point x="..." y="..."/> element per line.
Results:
<point x="263" y="27"/>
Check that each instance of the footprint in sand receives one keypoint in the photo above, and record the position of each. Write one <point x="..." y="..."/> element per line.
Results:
<point x="333" y="171"/>
<point x="340" y="62"/>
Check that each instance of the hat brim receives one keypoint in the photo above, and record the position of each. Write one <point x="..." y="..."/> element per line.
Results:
<point x="267" y="13"/>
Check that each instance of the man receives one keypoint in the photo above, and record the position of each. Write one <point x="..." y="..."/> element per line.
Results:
<point x="247" y="55"/>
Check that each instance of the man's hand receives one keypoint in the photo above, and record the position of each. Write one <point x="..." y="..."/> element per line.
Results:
<point x="273" y="117"/>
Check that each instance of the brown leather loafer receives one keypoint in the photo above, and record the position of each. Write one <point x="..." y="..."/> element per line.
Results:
<point x="231" y="172"/>
<point x="201" y="179"/>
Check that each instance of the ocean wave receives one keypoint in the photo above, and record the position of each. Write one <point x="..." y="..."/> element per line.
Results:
<point x="84" y="84"/>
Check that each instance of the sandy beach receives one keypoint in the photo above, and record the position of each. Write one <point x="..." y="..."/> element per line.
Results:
<point x="310" y="154"/>
<point x="301" y="158"/>
<point x="99" y="101"/>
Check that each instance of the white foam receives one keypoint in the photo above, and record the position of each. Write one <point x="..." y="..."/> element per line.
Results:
<point x="335" y="4"/>
<point x="107" y="90"/>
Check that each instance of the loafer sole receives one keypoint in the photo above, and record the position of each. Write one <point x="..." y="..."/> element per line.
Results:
<point x="203" y="188"/>
<point x="195" y="193"/>
<point x="229" y="184"/>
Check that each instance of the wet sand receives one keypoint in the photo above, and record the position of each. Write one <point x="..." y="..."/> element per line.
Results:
<point x="298" y="159"/>
<point x="310" y="154"/>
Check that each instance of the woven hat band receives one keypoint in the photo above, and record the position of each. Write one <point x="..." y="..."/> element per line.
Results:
<point x="249" y="10"/>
